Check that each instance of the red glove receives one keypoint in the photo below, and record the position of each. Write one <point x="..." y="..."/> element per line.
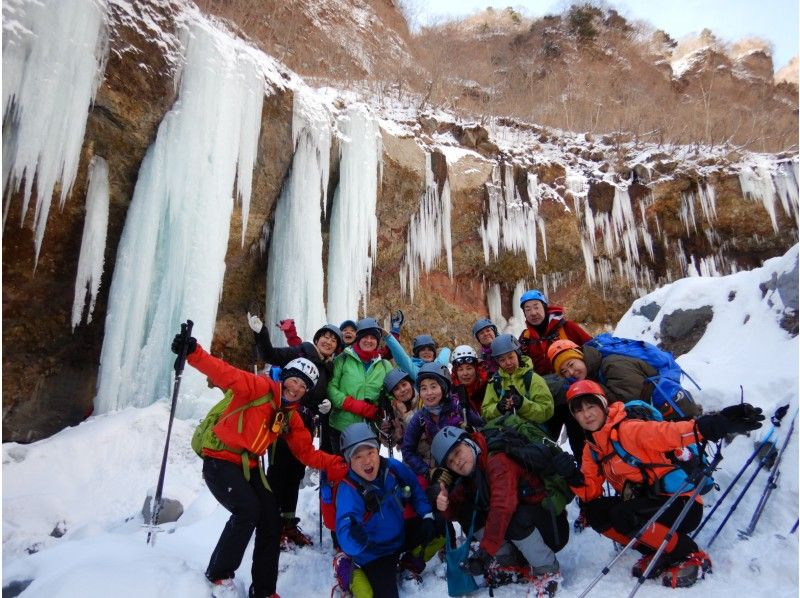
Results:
<point x="286" y="324"/>
<point x="337" y="471"/>
<point x="362" y="408"/>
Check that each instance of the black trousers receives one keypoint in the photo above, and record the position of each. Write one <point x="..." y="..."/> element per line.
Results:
<point x="575" y="434"/>
<point x="382" y="572"/>
<point x="284" y="475"/>
<point x="252" y="507"/>
<point x="553" y="528"/>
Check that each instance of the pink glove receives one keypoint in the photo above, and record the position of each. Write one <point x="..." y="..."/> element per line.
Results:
<point x="286" y="324"/>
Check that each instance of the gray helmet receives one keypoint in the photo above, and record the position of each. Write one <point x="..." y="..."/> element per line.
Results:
<point x="336" y="332"/>
<point x="395" y="377"/>
<point x="505" y="343"/>
<point x="301" y="368"/>
<point x="423" y="340"/>
<point x="355" y="434"/>
<point x="445" y="441"/>
<point x="368" y="326"/>
<point x="481" y="324"/>
<point x="348" y="323"/>
<point x="435" y="371"/>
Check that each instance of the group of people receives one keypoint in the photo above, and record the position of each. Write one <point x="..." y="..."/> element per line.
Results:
<point x="391" y="515"/>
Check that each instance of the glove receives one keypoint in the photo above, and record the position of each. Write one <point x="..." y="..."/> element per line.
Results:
<point x="336" y="471"/>
<point x="441" y="474"/>
<point x="564" y="465"/>
<point x="362" y="408"/>
<point x="285" y="324"/>
<point x="516" y="400"/>
<point x="180" y="341"/>
<point x="397" y="320"/>
<point x="358" y="534"/>
<point x="372" y="502"/>
<point x="477" y="564"/>
<point x="255" y="322"/>
<point x="738" y="419"/>
<point x="325" y="407"/>
<point x="428" y="530"/>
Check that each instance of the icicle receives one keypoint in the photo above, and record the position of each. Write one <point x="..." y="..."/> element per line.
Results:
<point x="428" y="232"/>
<point x="93" y="243"/>
<point x="687" y="213"/>
<point x="295" y="279"/>
<point x="708" y="202"/>
<point x="354" y="226"/>
<point x="756" y="183"/>
<point x="171" y="256"/>
<point x="54" y="55"/>
<point x="517" y="320"/>
<point x="494" y="303"/>
<point x="786" y="183"/>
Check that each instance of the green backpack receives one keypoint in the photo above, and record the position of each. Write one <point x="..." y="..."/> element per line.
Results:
<point x="204" y="437"/>
<point x="511" y="434"/>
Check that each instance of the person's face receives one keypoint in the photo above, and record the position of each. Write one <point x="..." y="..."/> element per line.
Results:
<point x="348" y="334"/>
<point x="466" y="373"/>
<point x="508" y="362"/>
<point x="534" y="312"/>
<point x="426" y="354"/>
<point x="461" y="459"/>
<point x="293" y="389"/>
<point x="589" y="415"/>
<point x="368" y="343"/>
<point x="326" y="344"/>
<point x="403" y="392"/>
<point x="365" y="462"/>
<point x="486" y="336"/>
<point x="430" y="392"/>
<point x="574" y="368"/>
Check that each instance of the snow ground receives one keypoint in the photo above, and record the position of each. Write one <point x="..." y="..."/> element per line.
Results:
<point x="91" y="480"/>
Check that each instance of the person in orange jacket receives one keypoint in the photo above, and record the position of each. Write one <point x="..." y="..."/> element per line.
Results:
<point x="638" y="493"/>
<point x="231" y="467"/>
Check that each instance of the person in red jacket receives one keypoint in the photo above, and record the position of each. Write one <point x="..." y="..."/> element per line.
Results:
<point x="544" y="324"/>
<point x="231" y="462"/>
<point x="469" y="377"/>
<point x="638" y="496"/>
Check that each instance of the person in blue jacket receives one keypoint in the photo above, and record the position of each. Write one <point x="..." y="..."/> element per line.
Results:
<point x="423" y="349"/>
<point x="370" y="501"/>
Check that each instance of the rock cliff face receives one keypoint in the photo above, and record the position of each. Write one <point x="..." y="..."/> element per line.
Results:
<point x="506" y="170"/>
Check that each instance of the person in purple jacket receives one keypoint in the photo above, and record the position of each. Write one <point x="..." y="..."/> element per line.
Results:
<point x="440" y="408"/>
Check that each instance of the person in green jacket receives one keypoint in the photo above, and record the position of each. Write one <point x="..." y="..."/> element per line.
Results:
<point x="357" y="380"/>
<point x="516" y="387"/>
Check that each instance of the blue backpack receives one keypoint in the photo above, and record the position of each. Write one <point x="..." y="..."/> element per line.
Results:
<point x="679" y="470"/>
<point x="668" y="396"/>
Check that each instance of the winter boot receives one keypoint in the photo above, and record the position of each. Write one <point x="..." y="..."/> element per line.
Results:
<point x="688" y="571"/>
<point x="252" y="594"/>
<point x="580" y="523"/>
<point x="411" y="567"/>
<point x="293" y="536"/>
<point x="546" y="585"/>
<point x="640" y="566"/>
<point x="224" y="588"/>
<point x="501" y="575"/>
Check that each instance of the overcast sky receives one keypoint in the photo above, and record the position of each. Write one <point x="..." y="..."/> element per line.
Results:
<point x="730" y="20"/>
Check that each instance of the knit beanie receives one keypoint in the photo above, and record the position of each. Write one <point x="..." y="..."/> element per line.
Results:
<point x="565" y="356"/>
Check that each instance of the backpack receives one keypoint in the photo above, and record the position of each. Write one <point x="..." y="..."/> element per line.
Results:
<point x="513" y="435"/>
<point x="668" y="396"/>
<point x="205" y="438"/>
<point x="679" y="470"/>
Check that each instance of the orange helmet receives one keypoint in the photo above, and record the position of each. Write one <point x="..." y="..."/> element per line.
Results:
<point x="586" y="387"/>
<point x="559" y="346"/>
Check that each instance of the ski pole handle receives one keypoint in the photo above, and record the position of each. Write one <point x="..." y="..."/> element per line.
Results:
<point x="186" y="332"/>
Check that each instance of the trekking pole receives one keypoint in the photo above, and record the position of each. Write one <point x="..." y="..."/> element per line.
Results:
<point x="776" y="422"/>
<point x="794" y="527"/>
<point x="155" y="505"/>
<point x="667" y="504"/>
<point x="706" y="471"/>
<point x="772" y="483"/>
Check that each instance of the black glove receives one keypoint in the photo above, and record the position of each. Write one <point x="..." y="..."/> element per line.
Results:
<point x="397" y="320"/>
<point x="428" y="530"/>
<point x="565" y="466"/>
<point x="358" y="533"/>
<point x="372" y="502"/>
<point x="178" y="343"/>
<point x="440" y="474"/>
<point x="516" y="400"/>
<point x="738" y="419"/>
<point x="478" y="563"/>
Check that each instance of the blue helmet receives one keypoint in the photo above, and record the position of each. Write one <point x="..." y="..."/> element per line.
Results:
<point x="421" y="341"/>
<point x="437" y="372"/>
<point x="369" y="326"/>
<point x="505" y="343"/>
<point x="481" y="324"/>
<point x="532" y="295"/>
<point x="445" y="441"/>
<point x="354" y="436"/>
<point x="395" y="377"/>
<point x="348" y="324"/>
<point x="333" y="330"/>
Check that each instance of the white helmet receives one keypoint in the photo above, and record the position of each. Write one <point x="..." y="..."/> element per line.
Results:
<point x="464" y="354"/>
<point x="301" y="368"/>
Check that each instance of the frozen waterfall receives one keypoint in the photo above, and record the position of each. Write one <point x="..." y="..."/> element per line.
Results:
<point x="170" y="261"/>
<point x="54" y="54"/>
<point x="295" y="280"/>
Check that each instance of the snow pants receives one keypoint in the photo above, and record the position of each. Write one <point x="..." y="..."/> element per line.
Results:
<point x="252" y="507"/>
<point x="284" y="475"/>
<point x="620" y="520"/>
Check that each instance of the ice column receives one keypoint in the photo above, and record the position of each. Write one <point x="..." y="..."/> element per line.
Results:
<point x="295" y="280"/>
<point x="756" y="183"/>
<point x="354" y="225"/>
<point x="93" y="243"/>
<point x="786" y="181"/>
<point x="170" y="261"/>
<point x="428" y="232"/>
<point x="54" y="54"/>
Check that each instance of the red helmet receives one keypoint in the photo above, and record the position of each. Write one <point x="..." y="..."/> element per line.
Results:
<point x="586" y="387"/>
<point x="560" y="346"/>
